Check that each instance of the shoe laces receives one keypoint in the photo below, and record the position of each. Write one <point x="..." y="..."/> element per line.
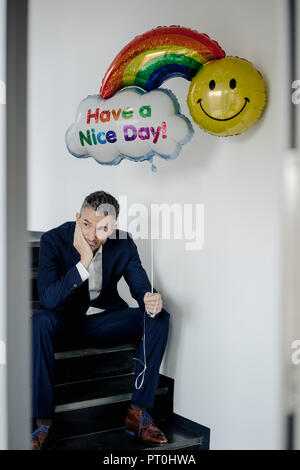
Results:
<point x="36" y="433"/>
<point x="146" y="420"/>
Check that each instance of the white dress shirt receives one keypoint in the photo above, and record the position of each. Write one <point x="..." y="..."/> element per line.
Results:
<point x="94" y="275"/>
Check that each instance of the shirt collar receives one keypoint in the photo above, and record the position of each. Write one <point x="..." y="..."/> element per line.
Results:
<point x="99" y="250"/>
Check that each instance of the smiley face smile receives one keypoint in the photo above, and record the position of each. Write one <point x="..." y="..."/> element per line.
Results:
<point x="225" y="119"/>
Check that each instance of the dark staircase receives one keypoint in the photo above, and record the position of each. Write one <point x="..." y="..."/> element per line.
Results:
<point x="93" y="388"/>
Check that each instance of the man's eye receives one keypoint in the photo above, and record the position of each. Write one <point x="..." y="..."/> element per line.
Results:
<point x="86" y="224"/>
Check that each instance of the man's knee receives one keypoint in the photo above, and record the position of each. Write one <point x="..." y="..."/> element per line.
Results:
<point x="163" y="318"/>
<point x="166" y="315"/>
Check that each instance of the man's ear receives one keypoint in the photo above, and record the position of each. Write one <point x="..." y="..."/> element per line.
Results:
<point x="77" y="216"/>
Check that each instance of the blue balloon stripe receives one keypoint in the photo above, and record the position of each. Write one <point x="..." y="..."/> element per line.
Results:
<point x="169" y="71"/>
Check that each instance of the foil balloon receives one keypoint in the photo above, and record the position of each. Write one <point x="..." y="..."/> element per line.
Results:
<point x="227" y="96"/>
<point x="132" y="124"/>
<point x="157" y="55"/>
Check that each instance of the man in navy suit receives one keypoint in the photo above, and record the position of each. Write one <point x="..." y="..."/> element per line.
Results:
<point x="80" y="265"/>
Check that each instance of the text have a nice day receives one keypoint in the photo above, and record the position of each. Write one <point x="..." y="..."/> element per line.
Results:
<point x="130" y="132"/>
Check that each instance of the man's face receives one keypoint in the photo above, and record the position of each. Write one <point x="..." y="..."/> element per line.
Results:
<point x="95" y="228"/>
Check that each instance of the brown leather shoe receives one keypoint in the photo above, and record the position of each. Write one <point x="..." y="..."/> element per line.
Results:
<point x="140" y="425"/>
<point x="42" y="438"/>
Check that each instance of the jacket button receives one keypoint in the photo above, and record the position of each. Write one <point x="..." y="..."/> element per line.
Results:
<point x="74" y="285"/>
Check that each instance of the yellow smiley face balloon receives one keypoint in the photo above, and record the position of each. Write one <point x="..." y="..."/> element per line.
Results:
<point x="227" y="96"/>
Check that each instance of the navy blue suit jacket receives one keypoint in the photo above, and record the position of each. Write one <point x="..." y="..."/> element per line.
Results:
<point x="60" y="286"/>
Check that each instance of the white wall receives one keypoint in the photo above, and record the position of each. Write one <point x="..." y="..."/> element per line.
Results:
<point x="3" y="376"/>
<point x="223" y="346"/>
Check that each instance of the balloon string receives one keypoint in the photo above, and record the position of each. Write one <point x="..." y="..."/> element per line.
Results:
<point x="144" y="335"/>
<point x="151" y="263"/>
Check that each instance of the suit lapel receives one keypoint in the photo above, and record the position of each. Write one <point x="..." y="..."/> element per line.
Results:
<point x="107" y="261"/>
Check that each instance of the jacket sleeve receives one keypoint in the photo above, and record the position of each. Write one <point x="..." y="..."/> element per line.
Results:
<point x="136" y="277"/>
<point x="54" y="287"/>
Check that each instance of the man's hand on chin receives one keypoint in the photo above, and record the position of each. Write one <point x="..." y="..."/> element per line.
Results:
<point x="82" y="246"/>
<point x="152" y="300"/>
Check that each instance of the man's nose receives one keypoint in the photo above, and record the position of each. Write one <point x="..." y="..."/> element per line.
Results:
<point x="92" y="234"/>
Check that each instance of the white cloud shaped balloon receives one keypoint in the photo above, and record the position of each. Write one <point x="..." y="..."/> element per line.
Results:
<point x="132" y="124"/>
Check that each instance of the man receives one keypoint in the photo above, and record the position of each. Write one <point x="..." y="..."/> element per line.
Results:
<point x="79" y="267"/>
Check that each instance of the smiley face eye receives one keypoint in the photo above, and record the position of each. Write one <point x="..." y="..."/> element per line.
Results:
<point x="232" y="83"/>
<point x="212" y="85"/>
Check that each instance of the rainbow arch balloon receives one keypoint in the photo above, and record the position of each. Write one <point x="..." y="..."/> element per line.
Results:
<point x="157" y="55"/>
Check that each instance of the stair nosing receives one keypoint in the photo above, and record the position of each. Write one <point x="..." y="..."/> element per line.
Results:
<point x="78" y="405"/>
<point x="175" y="445"/>
<point x="92" y="379"/>
<point x="91" y="351"/>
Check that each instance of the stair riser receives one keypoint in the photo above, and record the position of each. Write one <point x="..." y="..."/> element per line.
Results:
<point x="105" y="389"/>
<point x="93" y="389"/>
<point x="107" y="417"/>
<point x="99" y="365"/>
<point x="84" y="444"/>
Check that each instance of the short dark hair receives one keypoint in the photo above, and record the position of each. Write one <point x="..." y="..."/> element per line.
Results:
<point x="100" y="198"/>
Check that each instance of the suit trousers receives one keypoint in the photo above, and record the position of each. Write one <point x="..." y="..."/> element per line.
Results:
<point x="51" y="331"/>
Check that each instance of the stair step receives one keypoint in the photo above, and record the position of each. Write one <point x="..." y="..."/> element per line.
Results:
<point x="34" y="272"/>
<point x="94" y="363"/>
<point x="34" y="236"/>
<point x="74" y="396"/>
<point x="178" y="438"/>
<point x="93" y="416"/>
